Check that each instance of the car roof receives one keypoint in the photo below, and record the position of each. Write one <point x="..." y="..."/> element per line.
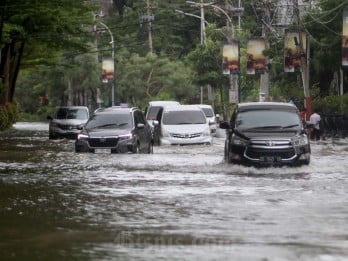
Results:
<point x="265" y="105"/>
<point x="163" y="103"/>
<point x="115" y="109"/>
<point x="204" y="106"/>
<point x="183" y="108"/>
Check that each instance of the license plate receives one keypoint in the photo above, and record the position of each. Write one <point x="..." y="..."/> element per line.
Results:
<point x="269" y="159"/>
<point x="102" y="151"/>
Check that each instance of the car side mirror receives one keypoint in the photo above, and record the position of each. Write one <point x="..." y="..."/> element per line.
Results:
<point x="155" y="123"/>
<point x="49" y="117"/>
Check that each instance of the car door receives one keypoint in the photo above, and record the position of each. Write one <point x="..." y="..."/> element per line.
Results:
<point x="142" y="130"/>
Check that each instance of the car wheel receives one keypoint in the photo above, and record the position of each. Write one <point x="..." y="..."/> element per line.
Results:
<point x="136" y="148"/>
<point x="226" y="153"/>
<point x="52" y="136"/>
<point x="150" y="148"/>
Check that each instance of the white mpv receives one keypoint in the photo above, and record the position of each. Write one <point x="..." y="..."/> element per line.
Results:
<point x="183" y="125"/>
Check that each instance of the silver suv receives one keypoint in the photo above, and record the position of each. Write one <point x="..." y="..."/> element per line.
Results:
<point x="67" y="121"/>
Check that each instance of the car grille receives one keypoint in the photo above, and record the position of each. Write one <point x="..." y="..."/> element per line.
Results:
<point x="256" y="153"/>
<point x="102" y="142"/>
<point x="67" y="127"/>
<point x="281" y="149"/>
<point x="186" y="136"/>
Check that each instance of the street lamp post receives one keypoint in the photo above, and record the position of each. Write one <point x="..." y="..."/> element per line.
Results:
<point x="113" y="59"/>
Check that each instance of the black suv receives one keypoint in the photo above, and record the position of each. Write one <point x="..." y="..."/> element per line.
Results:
<point x="266" y="134"/>
<point x="116" y="130"/>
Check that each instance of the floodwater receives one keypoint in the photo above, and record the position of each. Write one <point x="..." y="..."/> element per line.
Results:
<point x="180" y="203"/>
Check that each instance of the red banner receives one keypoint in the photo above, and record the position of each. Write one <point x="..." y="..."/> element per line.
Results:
<point x="230" y="60"/>
<point x="256" y="60"/>
<point x="293" y="51"/>
<point x="345" y="39"/>
<point x="108" y="70"/>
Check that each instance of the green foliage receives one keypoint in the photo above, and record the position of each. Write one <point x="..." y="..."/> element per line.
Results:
<point x="332" y="105"/>
<point x="8" y="115"/>
<point x="59" y="48"/>
<point x="147" y="78"/>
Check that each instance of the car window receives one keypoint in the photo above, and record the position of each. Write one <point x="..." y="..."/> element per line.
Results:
<point x="267" y="118"/>
<point x="110" y="121"/>
<point x="208" y="112"/>
<point x="183" y="117"/>
<point x="152" y="113"/>
<point x="68" y="113"/>
<point x="139" y="117"/>
<point x="81" y="114"/>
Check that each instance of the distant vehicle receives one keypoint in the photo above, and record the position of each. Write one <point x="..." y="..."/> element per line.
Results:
<point x="67" y="122"/>
<point x="116" y="130"/>
<point x="211" y="117"/>
<point x="154" y="112"/>
<point x="184" y="124"/>
<point x="266" y="134"/>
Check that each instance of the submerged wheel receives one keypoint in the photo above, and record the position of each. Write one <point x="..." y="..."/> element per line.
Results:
<point x="150" y="148"/>
<point x="136" y="148"/>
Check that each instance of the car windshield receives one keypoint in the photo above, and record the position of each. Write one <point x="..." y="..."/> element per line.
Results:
<point x="72" y="113"/>
<point x="267" y="119"/>
<point x="208" y="112"/>
<point x="110" y="121"/>
<point x="183" y="117"/>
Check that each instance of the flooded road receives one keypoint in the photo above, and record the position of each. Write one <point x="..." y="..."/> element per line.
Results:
<point x="180" y="203"/>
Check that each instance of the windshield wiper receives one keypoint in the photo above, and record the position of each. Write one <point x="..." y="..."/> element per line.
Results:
<point x="103" y="126"/>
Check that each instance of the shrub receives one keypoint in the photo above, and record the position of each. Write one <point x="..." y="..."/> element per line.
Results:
<point x="8" y="115"/>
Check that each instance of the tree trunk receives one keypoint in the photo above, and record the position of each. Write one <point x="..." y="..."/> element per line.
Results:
<point x="11" y="56"/>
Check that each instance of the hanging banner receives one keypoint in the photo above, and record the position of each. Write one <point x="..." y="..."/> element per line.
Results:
<point x="345" y="39"/>
<point x="256" y="61"/>
<point x="108" y="70"/>
<point x="292" y="51"/>
<point x="230" y="58"/>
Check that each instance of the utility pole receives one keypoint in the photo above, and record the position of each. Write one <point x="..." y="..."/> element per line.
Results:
<point x="149" y="18"/>
<point x="264" y="78"/>
<point x="113" y="60"/>
<point x="304" y="52"/>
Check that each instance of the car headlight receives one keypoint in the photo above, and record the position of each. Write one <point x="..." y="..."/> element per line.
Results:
<point x="206" y="132"/>
<point x="127" y="136"/>
<point x="236" y="140"/>
<point x="165" y="133"/>
<point x="82" y="136"/>
<point x="300" y="140"/>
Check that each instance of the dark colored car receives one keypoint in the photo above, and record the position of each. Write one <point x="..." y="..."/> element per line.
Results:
<point x="116" y="130"/>
<point x="266" y="134"/>
<point x="67" y="122"/>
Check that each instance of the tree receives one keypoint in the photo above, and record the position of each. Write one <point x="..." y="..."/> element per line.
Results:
<point x="52" y="26"/>
<point x="150" y="77"/>
<point x="324" y="24"/>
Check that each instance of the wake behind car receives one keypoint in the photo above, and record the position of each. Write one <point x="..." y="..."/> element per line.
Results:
<point x="266" y="134"/>
<point x="67" y="121"/>
<point x="116" y="130"/>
